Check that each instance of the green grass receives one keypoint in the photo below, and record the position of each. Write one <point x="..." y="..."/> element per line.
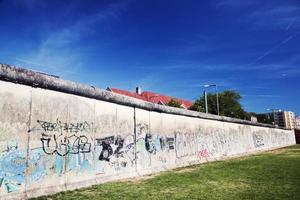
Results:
<point x="270" y="175"/>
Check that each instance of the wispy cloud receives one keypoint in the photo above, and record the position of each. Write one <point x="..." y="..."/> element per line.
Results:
<point x="245" y="67"/>
<point x="282" y="17"/>
<point x="28" y="4"/>
<point x="235" y="3"/>
<point x="175" y="46"/>
<point x="261" y="95"/>
<point x="280" y="10"/>
<point x="265" y="15"/>
<point x="58" y="52"/>
<point x="221" y="84"/>
<point x="229" y="67"/>
<point x="292" y="21"/>
<point x="274" y="48"/>
<point x="151" y="80"/>
<point x="255" y="87"/>
<point x="294" y="58"/>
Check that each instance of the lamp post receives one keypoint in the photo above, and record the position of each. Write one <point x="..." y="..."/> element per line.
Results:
<point x="205" y="99"/>
<point x="217" y="95"/>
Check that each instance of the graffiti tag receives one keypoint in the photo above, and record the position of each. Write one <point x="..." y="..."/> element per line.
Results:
<point x="56" y="139"/>
<point x="258" y="140"/>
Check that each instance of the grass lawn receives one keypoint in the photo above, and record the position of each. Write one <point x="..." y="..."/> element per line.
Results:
<point x="270" y="175"/>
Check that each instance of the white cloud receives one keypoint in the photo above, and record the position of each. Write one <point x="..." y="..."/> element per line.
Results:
<point x="58" y="53"/>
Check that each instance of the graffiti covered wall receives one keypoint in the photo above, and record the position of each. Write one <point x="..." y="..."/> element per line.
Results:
<point x="52" y="141"/>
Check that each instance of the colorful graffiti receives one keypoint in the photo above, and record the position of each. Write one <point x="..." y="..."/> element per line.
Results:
<point x="51" y="140"/>
<point x="13" y="167"/>
<point x="69" y="142"/>
<point x="67" y="148"/>
<point x="121" y="152"/>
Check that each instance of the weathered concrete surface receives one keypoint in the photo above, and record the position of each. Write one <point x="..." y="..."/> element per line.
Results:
<point x="30" y="78"/>
<point x="55" y="140"/>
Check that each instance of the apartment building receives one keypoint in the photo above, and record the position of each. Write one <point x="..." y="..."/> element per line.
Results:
<point x="285" y="119"/>
<point x="297" y="122"/>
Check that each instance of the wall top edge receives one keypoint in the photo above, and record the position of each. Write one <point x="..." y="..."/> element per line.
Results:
<point x="23" y="76"/>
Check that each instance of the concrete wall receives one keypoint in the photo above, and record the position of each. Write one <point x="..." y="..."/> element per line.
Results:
<point x="52" y="141"/>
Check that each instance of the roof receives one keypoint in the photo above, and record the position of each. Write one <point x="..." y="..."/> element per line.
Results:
<point x="152" y="97"/>
<point x="163" y="99"/>
<point x="126" y="93"/>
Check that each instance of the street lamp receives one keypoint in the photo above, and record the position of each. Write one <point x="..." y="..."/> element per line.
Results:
<point x="205" y="100"/>
<point x="217" y="95"/>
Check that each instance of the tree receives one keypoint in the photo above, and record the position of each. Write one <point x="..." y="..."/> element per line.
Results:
<point x="174" y="103"/>
<point x="229" y="104"/>
<point x="266" y="118"/>
<point x="198" y="106"/>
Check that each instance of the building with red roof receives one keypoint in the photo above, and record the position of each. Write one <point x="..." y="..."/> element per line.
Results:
<point x="151" y="97"/>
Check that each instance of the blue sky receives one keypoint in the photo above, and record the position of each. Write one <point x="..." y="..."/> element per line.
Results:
<point x="170" y="47"/>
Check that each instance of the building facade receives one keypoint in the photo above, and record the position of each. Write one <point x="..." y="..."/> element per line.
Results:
<point x="285" y="119"/>
<point x="253" y="118"/>
<point x="297" y="122"/>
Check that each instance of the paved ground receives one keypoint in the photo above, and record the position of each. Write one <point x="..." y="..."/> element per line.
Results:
<point x="270" y="175"/>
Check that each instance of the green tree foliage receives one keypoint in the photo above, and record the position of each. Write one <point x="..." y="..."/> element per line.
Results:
<point x="229" y="104"/>
<point x="266" y="118"/>
<point x="174" y="103"/>
<point x="198" y="105"/>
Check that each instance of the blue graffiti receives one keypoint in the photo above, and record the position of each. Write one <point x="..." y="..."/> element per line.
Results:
<point x="59" y="165"/>
<point x="13" y="167"/>
<point x="78" y="161"/>
<point x="37" y="164"/>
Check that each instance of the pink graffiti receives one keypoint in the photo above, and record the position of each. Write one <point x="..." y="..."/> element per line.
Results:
<point x="203" y="154"/>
